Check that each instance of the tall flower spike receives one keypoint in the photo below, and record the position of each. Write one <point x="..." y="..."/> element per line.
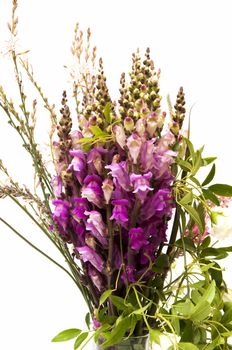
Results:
<point x="179" y="114"/>
<point x="102" y="96"/>
<point x="65" y="143"/>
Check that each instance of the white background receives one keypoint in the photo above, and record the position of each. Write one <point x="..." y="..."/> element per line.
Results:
<point x="190" y="41"/>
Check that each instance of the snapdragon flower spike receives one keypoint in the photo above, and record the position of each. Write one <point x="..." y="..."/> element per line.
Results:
<point x="92" y="190"/>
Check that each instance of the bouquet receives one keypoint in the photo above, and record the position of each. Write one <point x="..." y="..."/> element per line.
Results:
<point x="122" y="201"/>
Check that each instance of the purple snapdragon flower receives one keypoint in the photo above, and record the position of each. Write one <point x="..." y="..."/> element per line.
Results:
<point x="119" y="171"/>
<point x="80" y="206"/>
<point x="94" y="159"/>
<point x="97" y="227"/>
<point x="159" y="204"/>
<point x="88" y="254"/>
<point x="137" y="238"/>
<point x="61" y="212"/>
<point x="92" y="190"/>
<point x="141" y="185"/>
<point x="147" y="155"/>
<point x="78" y="164"/>
<point x="120" y="211"/>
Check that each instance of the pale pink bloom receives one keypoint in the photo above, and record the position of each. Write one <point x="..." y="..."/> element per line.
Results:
<point x="120" y="135"/>
<point x="134" y="144"/>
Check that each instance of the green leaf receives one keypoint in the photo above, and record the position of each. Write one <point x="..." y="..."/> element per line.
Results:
<point x="210" y="176"/>
<point x="98" y="132"/>
<point x="185" y="308"/>
<point x="161" y="263"/>
<point x="216" y="275"/>
<point x="105" y="296"/>
<point x="205" y="243"/>
<point x="188" y="198"/>
<point x="208" y="160"/>
<point x="66" y="335"/>
<point x="193" y="179"/>
<point x="106" y="112"/>
<point x="195" y="216"/>
<point x="186" y="243"/>
<point x="141" y="310"/>
<point x="216" y="253"/>
<point x="202" y="311"/>
<point x="118" y="302"/>
<point x="191" y="148"/>
<point x="227" y="317"/>
<point x="86" y="140"/>
<point x="197" y="163"/>
<point x="80" y="339"/>
<point x="117" y="333"/>
<point x="186" y="166"/>
<point x="221" y="190"/>
<point x="87" y="320"/>
<point x="211" y="196"/>
<point x="155" y="335"/>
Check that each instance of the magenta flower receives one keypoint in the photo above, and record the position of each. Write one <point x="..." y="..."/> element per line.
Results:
<point x="141" y="185"/>
<point x="137" y="238"/>
<point x="119" y="171"/>
<point x="78" y="164"/>
<point x="88" y="254"/>
<point x="159" y="204"/>
<point x="120" y="211"/>
<point x="80" y="206"/>
<point x="97" y="227"/>
<point x="134" y="144"/>
<point x="92" y="190"/>
<point x="61" y="213"/>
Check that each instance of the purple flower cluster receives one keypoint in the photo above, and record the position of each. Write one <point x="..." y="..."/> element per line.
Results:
<point x="122" y="198"/>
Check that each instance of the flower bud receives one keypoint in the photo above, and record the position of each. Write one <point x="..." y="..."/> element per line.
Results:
<point x="138" y="104"/>
<point x="174" y="127"/>
<point x="93" y="120"/>
<point x="107" y="188"/>
<point x="129" y="124"/>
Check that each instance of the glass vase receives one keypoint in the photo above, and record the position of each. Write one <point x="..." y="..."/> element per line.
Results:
<point x="132" y="343"/>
